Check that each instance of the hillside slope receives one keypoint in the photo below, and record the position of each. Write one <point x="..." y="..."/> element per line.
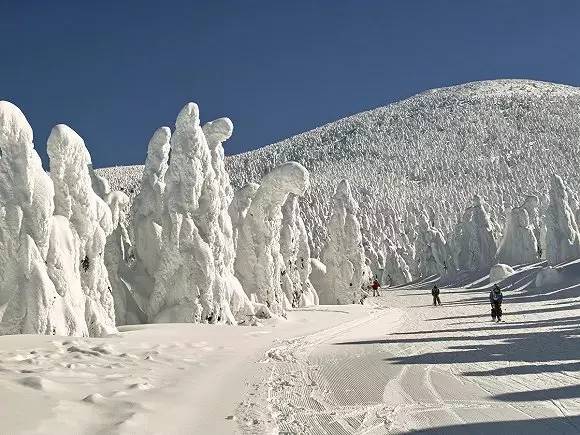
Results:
<point x="501" y="139"/>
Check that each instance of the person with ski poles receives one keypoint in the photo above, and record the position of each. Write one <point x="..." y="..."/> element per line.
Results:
<point x="495" y="299"/>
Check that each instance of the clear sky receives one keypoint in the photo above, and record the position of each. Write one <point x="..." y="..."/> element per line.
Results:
<point x="115" y="71"/>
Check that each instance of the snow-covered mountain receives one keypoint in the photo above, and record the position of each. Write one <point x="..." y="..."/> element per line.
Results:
<point x="500" y="139"/>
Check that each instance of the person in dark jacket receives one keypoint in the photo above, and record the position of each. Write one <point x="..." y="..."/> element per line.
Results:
<point x="435" y="294"/>
<point x="495" y="299"/>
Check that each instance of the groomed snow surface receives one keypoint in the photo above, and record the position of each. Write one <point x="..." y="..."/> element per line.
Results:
<point x="393" y="365"/>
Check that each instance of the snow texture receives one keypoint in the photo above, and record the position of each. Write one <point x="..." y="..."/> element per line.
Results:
<point x="499" y="272"/>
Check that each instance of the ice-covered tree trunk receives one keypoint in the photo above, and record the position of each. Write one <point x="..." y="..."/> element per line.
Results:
<point x="239" y="207"/>
<point x="290" y="277"/>
<point x="343" y="254"/>
<point x="148" y="204"/>
<point x="519" y="244"/>
<point x="184" y="279"/>
<point x="296" y="256"/>
<point x="231" y="303"/>
<point x="309" y="295"/>
<point x="483" y="241"/>
<point x="90" y="218"/>
<point x="562" y="235"/>
<point x="396" y="270"/>
<point x="118" y="250"/>
<point x="258" y="258"/>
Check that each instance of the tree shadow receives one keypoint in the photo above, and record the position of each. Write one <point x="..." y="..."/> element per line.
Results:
<point x="539" y="426"/>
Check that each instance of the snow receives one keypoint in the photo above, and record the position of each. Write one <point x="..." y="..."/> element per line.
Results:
<point x="395" y="364"/>
<point x="499" y="272"/>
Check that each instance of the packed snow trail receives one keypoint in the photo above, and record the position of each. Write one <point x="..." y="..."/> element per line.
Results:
<point x="427" y="369"/>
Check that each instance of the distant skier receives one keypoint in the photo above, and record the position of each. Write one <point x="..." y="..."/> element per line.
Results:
<point x="375" y="286"/>
<point x="496" y="298"/>
<point x="435" y="294"/>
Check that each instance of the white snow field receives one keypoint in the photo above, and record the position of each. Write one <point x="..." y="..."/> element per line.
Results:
<point x="393" y="365"/>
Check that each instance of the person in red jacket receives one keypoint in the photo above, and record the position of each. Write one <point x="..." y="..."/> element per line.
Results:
<point x="375" y="286"/>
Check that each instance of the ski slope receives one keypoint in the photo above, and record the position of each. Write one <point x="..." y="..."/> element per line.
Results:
<point x="500" y="139"/>
<point x="410" y="367"/>
<point x="394" y="365"/>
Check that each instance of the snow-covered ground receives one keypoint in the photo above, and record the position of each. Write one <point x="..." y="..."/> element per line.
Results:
<point x="446" y="369"/>
<point x="396" y="364"/>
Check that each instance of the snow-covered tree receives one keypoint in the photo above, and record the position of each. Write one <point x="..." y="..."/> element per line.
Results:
<point x="258" y="259"/>
<point x="562" y="235"/>
<point x="295" y="273"/>
<point x="226" y="285"/>
<point x="519" y="244"/>
<point x="90" y="218"/>
<point x="184" y="279"/>
<point x="343" y="254"/>
<point x="148" y="204"/>
<point x="432" y="255"/>
<point x="29" y="301"/>
<point x="484" y="235"/>
<point x="118" y="252"/>
<point x="396" y="270"/>
<point x="239" y="207"/>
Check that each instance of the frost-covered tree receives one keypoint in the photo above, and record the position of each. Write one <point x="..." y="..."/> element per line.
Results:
<point x="184" y="279"/>
<point x="396" y="270"/>
<point x="239" y="207"/>
<point x="258" y="259"/>
<point x="295" y="273"/>
<point x="343" y="254"/>
<point x="90" y="218"/>
<point x="562" y="235"/>
<point x="484" y="235"/>
<point x="518" y="244"/>
<point x="227" y="292"/>
<point x="432" y="255"/>
<point x="118" y="252"/>
<point x="148" y="204"/>
<point x="30" y="303"/>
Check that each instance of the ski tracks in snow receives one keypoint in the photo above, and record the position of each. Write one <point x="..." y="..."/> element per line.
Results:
<point x="418" y="368"/>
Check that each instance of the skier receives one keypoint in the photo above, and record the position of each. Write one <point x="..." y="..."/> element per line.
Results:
<point x="435" y="293"/>
<point x="495" y="298"/>
<point x="375" y="286"/>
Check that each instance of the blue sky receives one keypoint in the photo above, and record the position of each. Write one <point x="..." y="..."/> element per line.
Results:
<point x="115" y="71"/>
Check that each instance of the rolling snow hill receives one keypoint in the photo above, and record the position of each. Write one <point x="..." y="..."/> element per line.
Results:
<point x="500" y="139"/>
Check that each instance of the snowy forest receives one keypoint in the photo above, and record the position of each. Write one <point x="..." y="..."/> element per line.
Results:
<point x="81" y="259"/>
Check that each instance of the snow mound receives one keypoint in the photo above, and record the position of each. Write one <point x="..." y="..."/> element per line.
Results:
<point x="499" y="272"/>
<point x="548" y="277"/>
